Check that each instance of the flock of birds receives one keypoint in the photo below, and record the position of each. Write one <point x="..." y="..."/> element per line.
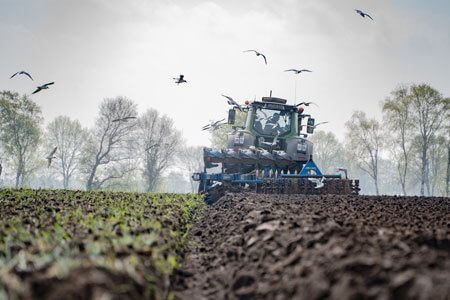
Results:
<point x="213" y="126"/>
<point x="178" y="80"/>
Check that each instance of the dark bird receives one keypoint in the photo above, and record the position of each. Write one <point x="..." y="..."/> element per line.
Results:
<point x="258" y="54"/>
<point x="363" y="14"/>
<point x="42" y="87"/>
<point x="232" y="102"/>
<point x="297" y="71"/>
<point x="124" y="119"/>
<point x="179" y="79"/>
<point x="22" y="72"/>
<point x="1" y="169"/>
<point x="307" y="104"/>
<point x="51" y="156"/>
<point x="214" y="125"/>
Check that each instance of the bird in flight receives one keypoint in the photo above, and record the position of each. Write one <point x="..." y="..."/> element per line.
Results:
<point x="124" y="119"/>
<point x="306" y="104"/>
<point x="42" y="87"/>
<point x="258" y="54"/>
<point x="232" y="102"/>
<point x="297" y="71"/>
<point x="180" y="79"/>
<point x="22" y="72"/>
<point x="214" y="125"/>
<point x="274" y="143"/>
<point x="363" y="14"/>
<point x="319" y="183"/>
<point x="314" y="126"/>
<point x="51" y="156"/>
<point x="266" y="117"/>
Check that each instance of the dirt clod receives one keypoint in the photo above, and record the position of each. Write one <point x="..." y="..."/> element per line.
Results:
<point x="258" y="246"/>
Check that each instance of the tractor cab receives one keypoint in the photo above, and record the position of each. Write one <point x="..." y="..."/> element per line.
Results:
<point x="272" y="124"/>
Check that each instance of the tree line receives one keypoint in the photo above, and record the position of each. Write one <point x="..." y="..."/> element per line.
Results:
<point x="113" y="154"/>
<point x="406" y="152"/>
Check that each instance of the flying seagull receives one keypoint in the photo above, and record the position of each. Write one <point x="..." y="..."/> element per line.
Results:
<point x="214" y="125"/>
<point x="51" y="156"/>
<point x="363" y="14"/>
<point x="297" y="71"/>
<point x="316" y="124"/>
<point x="179" y="79"/>
<point x="42" y="87"/>
<point x="307" y="104"/>
<point x="258" y="54"/>
<point x="124" y="119"/>
<point x="319" y="183"/>
<point x="22" y="72"/>
<point x="274" y="143"/>
<point x="266" y="117"/>
<point x="232" y="102"/>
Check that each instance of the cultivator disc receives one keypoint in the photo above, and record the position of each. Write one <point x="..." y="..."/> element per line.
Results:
<point x="307" y="187"/>
<point x="267" y="172"/>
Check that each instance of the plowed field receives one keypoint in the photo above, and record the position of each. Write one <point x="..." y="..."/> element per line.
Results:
<point x="250" y="246"/>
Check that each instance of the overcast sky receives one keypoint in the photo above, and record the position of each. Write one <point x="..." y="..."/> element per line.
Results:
<point x="106" y="48"/>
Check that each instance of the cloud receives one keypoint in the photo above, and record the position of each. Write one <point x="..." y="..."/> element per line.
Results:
<point x="105" y="48"/>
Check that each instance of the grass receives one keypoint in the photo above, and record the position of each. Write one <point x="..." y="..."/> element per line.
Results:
<point x="50" y="233"/>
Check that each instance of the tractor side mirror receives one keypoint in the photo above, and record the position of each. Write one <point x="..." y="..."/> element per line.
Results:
<point x="311" y="122"/>
<point x="299" y="124"/>
<point x="310" y="129"/>
<point x="231" y="116"/>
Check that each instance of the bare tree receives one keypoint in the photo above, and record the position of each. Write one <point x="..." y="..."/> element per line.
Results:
<point x="437" y="154"/>
<point x="110" y="146"/>
<point x="448" y="169"/>
<point x="365" y="141"/>
<point x="70" y="137"/>
<point x="328" y="151"/>
<point x="430" y="111"/>
<point x="159" y="141"/>
<point x="191" y="158"/>
<point x="20" y="131"/>
<point x="398" y="118"/>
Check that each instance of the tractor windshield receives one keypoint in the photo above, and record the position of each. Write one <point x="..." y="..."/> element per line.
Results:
<point x="272" y="122"/>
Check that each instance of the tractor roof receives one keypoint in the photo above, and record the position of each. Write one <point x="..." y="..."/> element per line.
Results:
<point x="273" y="103"/>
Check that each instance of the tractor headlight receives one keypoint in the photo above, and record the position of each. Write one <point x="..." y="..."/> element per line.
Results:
<point x="302" y="148"/>
<point x="239" y="140"/>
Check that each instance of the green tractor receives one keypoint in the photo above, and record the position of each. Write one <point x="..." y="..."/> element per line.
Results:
<point x="270" y="154"/>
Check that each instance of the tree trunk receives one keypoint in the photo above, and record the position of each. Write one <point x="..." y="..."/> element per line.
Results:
<point x="66" y="181"/>
<point x="423" y="171"/>
<point x="448" y="172"/>
<point x="91" y="177"/>
<point x="376" y="185"/>
<point x="19" y="172"/>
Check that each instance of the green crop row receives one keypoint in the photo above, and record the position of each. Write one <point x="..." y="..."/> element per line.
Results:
<point x="48" y="234"/>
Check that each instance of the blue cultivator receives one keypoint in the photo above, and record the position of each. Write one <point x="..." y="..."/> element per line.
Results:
<point x="269" y="154"/>
<point x="263" y="172"/>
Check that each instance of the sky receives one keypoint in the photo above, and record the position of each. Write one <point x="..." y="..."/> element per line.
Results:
<point x="106" y="48"/>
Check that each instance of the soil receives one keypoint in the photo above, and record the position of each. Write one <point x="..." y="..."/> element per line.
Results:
<point x="255" y="246"/>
